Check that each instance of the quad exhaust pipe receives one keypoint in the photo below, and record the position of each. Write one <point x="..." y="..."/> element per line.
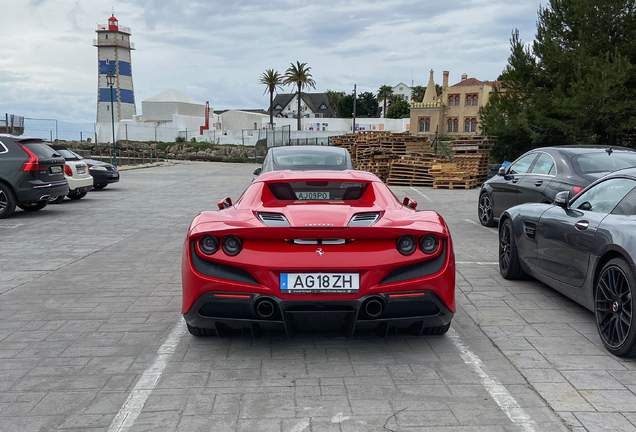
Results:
<point x="373" y="307"/>
<point x="265" y="308"/>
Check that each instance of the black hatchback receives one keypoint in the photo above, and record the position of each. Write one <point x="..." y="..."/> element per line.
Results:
<point x="538" y="175"/>
<point x="30" y="173"/>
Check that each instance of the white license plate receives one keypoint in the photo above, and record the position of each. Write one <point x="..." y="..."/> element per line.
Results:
<point x="312" y="195"/>
<point x="339" y="283"/>
<point x="56" y="169"/>
<point x="81" y="170"/>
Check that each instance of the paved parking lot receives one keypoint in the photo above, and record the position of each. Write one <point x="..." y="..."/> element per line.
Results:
<point x="91" y="338"/>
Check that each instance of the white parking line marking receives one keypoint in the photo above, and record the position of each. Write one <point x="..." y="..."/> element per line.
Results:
<point x="429" y="200"/>
<point x="476" y="262"/>
<point x="497" y="391"/>
<point x="480" y="225"/>
<point x="137" y="398"/>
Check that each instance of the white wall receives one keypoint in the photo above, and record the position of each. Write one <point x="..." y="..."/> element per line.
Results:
<point x="235" y="120"/>
<point x="343" y="125"/>
<point x="164" y="110"/>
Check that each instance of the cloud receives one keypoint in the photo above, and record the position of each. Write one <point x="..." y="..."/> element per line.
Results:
<point x="216" y="50"/>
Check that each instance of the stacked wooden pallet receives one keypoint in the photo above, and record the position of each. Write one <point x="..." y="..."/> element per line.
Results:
<point x="472" y="155"/>
<point x="450" y="176"/>
<point x="376" y="152"/>
<point x="412" y="170"/>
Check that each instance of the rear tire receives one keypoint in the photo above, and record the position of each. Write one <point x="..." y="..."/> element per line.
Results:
<point x="614" y="308"/>
<point x="33" y="207"/>
<point x="484" y="210"/>
<point x="201" y="332"/>
<point x="436" y="331"/>
<point x="76" y="195"/>
<point x="7" y="201"/>
<point x="56" y="200"/>
<point x="509" y="264"/>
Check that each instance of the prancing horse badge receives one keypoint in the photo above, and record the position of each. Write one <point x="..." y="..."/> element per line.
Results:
<point x="319" y="251"/>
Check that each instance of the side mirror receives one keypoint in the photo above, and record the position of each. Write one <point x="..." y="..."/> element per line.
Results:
<point x="409" y="202"/>
<point x="501" y="172"/>
<point x="225" y="203"/>
<point x="257" y="171"/>
<point x="562" y="199"/>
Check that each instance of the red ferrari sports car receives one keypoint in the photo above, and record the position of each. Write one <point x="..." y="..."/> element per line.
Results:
<point x="318" y="250"/>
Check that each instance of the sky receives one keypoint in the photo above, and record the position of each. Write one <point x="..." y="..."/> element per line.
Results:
<point x="216" y="50"/>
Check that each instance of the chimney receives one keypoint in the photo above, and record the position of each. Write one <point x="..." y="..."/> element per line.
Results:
<point x="445" y="82"/>
<point x="464" y="77"/>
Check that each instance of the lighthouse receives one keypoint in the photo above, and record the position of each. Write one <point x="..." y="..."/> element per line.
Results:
<point x="113" y="55"/>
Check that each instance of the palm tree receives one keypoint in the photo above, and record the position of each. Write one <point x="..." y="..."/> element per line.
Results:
<point x="298" y="74"/>
<point x="384" y="93"/>
<point x="272" y="79"/>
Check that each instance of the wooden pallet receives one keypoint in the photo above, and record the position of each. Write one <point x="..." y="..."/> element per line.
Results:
<point x="408" y="182"/>
<point x="464" y="184"/>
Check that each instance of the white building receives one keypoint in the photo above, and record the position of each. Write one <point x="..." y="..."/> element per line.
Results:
<point x="401" y="90"/>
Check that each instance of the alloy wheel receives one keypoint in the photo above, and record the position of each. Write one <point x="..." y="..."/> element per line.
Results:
<point x="485" y="209"/>
<point x="613" y="306"/>
<point x="504" y="247"/>
<point x="3" y="201"/>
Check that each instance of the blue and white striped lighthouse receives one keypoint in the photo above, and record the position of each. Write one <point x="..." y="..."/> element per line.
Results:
<point x="113" y="54"/>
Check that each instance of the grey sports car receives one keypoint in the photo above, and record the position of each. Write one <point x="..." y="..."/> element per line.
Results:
<point x="584" y="247"/>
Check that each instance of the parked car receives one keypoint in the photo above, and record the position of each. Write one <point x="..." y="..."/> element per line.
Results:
<point x="79" y="180"/>
<point x="297" y="158"/>
<point x="318" y="250"/>
<point x="30" y="173"/>
<point x="584" y="247"/>
<point x="103" y="173"/>
<point x="540" y="174"/>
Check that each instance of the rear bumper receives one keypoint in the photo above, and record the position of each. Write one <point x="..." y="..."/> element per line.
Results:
<point x="80" y="185"/>
<point x="105" y="177"/>
<point x="37" y="190"/>
<point x="412" y="311"/>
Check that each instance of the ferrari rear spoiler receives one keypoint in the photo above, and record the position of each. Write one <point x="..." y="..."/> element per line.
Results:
<point x="417" y="229"/>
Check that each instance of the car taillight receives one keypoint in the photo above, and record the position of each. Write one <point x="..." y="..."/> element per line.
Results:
<point x="32" y="164"/>
<point x="68" y="171"/>
<point x="577" y="189"/>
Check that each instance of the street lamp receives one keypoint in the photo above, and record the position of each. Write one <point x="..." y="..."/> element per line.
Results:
<point x="110" y="81"/>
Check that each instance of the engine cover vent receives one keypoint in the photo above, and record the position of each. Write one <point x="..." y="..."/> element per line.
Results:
<point x="273" y="219"/>
<point x="364" y="219"/>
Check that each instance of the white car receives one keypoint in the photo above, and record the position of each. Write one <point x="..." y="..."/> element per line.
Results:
<point x="79" y="181"/>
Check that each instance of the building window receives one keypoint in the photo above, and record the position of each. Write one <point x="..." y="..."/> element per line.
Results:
<point x="425" y="124"/>
<point x="466" y="124"/>
<point x="453" y="100"/>
<point x="471" y="100"/>
<point x="470" y="124"/>
<point x="473" y="125"/>
<point x="452" y="125"/>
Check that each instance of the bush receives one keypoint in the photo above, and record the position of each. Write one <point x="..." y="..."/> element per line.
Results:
<point x="179" y="139"/>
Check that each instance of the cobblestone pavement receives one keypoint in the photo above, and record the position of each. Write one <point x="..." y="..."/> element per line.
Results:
<point x="91" y="338"/>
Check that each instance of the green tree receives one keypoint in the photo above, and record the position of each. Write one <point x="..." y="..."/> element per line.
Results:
<point x="272" y="80"/>
<point x="384" y="93"/>
<point x="332" y="102"/>
<point x="345" y="106"/>
<point x="367" y="105"/>
<point x="298" y="75"/>
<point x="398" y="109"/>
<point x="417" y="93"/>
<point x="575" y="84"/>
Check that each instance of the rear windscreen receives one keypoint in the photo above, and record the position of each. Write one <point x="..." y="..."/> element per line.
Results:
<point x="40" y="149"/>
<point x="306" y="159"/>
<point x="67" y="154"/>
<point x="602" y="162"/>
<point x="318" y="190"/>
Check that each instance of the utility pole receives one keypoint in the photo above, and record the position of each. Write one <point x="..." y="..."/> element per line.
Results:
<point x="354" y="109"/>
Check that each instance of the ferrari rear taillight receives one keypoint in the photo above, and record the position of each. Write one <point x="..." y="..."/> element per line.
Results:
<point x="429" y="244"/>
<point x="208" y="244"/>
<point x="32" y="164"/>
<point x="577" y="189"/>
<point x="68" y="171"/>
<point x="406" y="244"/>
<point x="231" y="245"/>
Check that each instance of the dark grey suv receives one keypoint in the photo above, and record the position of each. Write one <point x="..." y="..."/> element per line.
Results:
<point x="30" y="173"/>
